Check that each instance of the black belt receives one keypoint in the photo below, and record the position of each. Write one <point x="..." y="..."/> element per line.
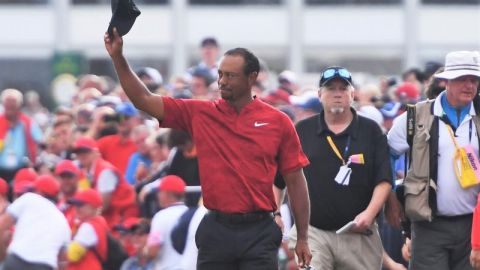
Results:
<point x="240" y="218"/>
<point x="470" y="216"/>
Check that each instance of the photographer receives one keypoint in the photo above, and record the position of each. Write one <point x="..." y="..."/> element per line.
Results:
<point x="118" y="148"/>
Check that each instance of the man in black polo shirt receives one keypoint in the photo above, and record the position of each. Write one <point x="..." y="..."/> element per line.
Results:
<point x="348" y="178"/>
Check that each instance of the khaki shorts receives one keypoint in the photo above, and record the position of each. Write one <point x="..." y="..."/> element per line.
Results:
<point x="349" y="251"/>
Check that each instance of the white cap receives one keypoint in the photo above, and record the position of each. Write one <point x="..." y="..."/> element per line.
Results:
<point x="460" y="63"/>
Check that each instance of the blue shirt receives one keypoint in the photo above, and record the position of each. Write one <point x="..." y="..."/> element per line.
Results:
<point x="132" y="263"/>
<point x="15" y="153"/>
<point x="133" y="163"/>
<point x="454" y="115"/>
<point x="397" y="164"/>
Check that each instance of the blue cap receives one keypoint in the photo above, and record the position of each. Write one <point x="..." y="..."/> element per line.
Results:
<point x="311" y="103"/>
<point x="126" y="109"/>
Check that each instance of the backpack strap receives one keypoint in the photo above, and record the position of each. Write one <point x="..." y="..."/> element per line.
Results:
<point x="476" y="122"/>
<point x="411" y="111"/>
<point x="411" y="115"/>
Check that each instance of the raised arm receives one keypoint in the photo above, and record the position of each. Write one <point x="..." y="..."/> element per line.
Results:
<point x="136" y="91"/>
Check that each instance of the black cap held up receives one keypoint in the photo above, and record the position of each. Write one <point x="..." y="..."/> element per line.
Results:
<point x="124" y="14"/>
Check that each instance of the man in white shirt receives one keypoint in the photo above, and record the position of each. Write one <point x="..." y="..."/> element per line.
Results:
<point x="159" y="245"/>
<point x="210" y="52"/>
<point x="443" y="242"/>
<point x="41" y="230"/>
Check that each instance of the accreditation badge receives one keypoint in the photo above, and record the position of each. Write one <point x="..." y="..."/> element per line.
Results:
<point x="343" y="175"/>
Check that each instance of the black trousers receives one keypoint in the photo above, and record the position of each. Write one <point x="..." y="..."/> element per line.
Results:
<point x="8" y="174"/>
<point x="13" y="262"/>
<point x="443" y="244"/>
<point x="235" y="245"/>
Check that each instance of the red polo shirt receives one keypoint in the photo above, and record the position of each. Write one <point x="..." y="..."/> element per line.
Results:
<point x="116" y="151"/>
<point x="238" y="154"/>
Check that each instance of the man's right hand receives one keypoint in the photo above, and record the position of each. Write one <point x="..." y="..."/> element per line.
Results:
<point x="406" y="249"/>
<point x="113" y="44"/>
<point x="303" y="253"/>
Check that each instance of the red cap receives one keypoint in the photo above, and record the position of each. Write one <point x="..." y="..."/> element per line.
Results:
<point x="172" y="183"/>
<point x="277" y="97"/>
<point x="131" y="222"/>
<point x="408" y="90"/>
<point x="47" y="185"/>
<point x="3" y="187"/>
<point x="23" y="180"/>
<point x="25" y="175"/>
<point x="85" y="143"/>
<point x="22" y="187"/>
<point x="88" y="196"/>
<point x="66" y="166"/>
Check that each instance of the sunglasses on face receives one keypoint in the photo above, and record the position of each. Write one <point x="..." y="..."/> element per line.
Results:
<point x="329" y="73"/>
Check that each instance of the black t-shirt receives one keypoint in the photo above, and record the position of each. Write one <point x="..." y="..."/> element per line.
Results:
<point x="334" y="205"/>
<point x="187" y="169"/>
<point x="279" y="182"/>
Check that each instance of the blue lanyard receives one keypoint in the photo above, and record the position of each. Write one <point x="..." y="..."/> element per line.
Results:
<point x="470" y="131"/>
<point x="347" y="146"/>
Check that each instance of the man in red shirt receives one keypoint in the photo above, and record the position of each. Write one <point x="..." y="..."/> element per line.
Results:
<point x="19" y="135"/>
<point x="241" y="142"/>
<point x="118" y="148"/>
<point x="117" y="195"/>
<point x="68" y="175"/>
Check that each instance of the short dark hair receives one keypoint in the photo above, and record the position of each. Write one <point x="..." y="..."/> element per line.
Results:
<point x="415" y="71"/>
<point x="205" y="74"/>
<point x="251" y="61"/>
<point x="209" y="41"/>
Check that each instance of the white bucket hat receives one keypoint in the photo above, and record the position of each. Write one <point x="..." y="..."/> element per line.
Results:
<point x="460" y="63"/>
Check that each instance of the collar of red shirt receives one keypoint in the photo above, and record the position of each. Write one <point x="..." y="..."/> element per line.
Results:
<point x="225" y="106"/>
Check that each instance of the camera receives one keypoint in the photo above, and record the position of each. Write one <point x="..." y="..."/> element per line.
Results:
<point x="112" y="118"/>
<point x="392" y="81"/>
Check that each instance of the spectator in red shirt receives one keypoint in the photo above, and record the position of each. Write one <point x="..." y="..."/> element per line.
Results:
<point x="89" y="246"/>
<point x="118" y="148"/>
<point x="241" y="142"/>
<point x="117" y="195"/>
<point x="68" y="175"/>
<point x="19" y="135"/>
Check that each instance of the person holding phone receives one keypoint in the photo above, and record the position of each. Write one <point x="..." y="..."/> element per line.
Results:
<point x="348" y="178"/>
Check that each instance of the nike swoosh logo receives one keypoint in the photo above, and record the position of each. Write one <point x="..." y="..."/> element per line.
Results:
<point x="257" y="124"/>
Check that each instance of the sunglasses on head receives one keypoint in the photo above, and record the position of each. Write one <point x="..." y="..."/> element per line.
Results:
<point x="331" y="72"/>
